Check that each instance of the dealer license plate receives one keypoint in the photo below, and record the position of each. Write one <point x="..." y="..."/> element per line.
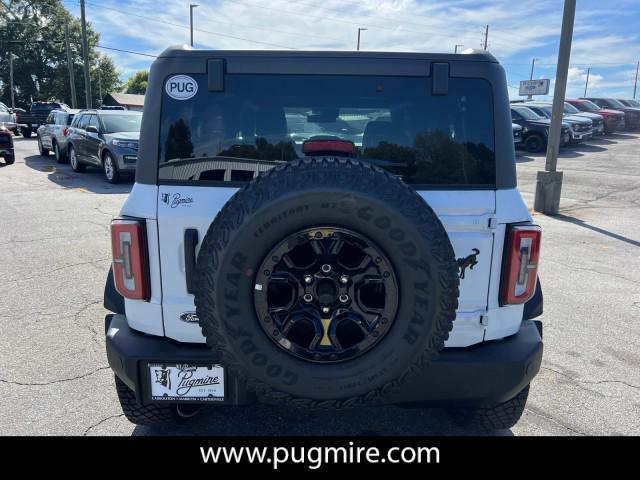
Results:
<point x="180" y="382"/>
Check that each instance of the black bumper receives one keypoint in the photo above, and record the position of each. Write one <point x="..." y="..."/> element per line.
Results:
<point x="485" y="374"/>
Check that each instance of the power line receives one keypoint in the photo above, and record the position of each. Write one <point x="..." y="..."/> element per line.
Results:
<point x="200" y="30"/>
<point x="223" y="23"/>
<point x="127" y="51"/>
<point x="369" y="15"/>
<point x="348" y="22"/>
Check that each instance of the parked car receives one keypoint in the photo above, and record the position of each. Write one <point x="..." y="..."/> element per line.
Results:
<point x="629" y="102"/>
<point x="517" y="134"/>
<point x="36" y="116"/>
<point x="52" y="136"/>
<point x="535" y="128"/>
<point x="580" y="128"/>
<point x="107" y="139"/>
<point x="6" y="146"/>
<point x="631" y="114"/>
<point x="7" y="118"/>
<point x="294" y="295"/>
<point x="596" y="119"/>
<point x="613" y="119"/>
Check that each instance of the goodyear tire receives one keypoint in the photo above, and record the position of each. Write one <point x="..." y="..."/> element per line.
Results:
<point x="350" y="196"/>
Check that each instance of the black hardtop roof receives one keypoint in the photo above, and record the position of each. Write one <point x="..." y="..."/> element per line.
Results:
<point x="184" y="51"/>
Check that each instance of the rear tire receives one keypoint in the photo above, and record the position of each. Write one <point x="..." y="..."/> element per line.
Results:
<point x="500" y="417"/>
<point x="10" y="160"/>
<point x="59" y="156"/>
<point x="26" y="132"/>
<point x="153" y="414"/>
<point x="76" y="166"/>
<point x="43" y="151"/>
<point x="534" y="143"/>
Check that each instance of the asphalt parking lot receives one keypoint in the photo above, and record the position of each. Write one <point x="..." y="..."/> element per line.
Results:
<point x="54" y="378"/>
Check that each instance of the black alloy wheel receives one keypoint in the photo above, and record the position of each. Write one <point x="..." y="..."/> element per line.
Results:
<point x="326" y="294"/>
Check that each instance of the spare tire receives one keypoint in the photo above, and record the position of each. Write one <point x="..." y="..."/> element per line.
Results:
<point x="326" y="283"/>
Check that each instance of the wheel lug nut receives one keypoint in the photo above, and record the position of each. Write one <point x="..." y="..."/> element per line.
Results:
<point x="308" y="279"/>
<point x="344" y="279"/>
<point x="307" y="297"/>
<point x="344" y="298"/>
<point x="326" y="268"/>
<point x="325" y="310"/>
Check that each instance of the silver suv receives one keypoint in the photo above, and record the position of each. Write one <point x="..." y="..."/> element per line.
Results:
<point x="52" y="136"/>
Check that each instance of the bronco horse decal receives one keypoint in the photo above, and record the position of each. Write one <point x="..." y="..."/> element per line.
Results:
<point x="468" y="262"/>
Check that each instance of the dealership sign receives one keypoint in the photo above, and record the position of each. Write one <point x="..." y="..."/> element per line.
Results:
<point x="534" y="87"/>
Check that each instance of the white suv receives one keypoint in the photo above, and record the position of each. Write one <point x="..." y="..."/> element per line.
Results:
<point x="325" y="230"/>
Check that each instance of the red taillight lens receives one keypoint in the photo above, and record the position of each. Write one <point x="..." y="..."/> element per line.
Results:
<point x="328" y="146"/>
<point x="130" y="261"/>
<point x="520" y="268"/>
<point x="65" y="131"/>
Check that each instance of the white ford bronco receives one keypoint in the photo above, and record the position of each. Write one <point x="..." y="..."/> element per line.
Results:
<point x="325" y="230"/>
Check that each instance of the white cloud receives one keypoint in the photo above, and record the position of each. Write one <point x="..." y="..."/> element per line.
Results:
<point x="518" y="30"/>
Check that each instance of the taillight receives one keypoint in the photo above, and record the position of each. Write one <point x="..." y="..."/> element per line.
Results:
<point x="325" y="146"/>
<point x="65" y="131"/>
<point x="520" y="268"/>
<point x="130" y="260"/>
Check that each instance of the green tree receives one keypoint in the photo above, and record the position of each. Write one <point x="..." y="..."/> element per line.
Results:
<point x="137" y="83"/>
<point x="33" y="32"/>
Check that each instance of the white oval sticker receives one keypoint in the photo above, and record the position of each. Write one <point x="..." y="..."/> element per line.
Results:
<point x="181" y="87"/>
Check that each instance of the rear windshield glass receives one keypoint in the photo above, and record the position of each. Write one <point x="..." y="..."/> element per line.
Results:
<point x="121" y="123"/>
<point x="614" y="103"/>
<point x="570" y="109"/>
<point x="587" y="105"/>
<point x="527" y="113"/>
<point x="260" y="121"/>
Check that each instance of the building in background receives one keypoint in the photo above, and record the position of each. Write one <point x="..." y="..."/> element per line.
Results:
<point x="128" y="100"/>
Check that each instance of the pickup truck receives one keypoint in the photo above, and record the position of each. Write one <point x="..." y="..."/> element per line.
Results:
<point x="36" y="116"/>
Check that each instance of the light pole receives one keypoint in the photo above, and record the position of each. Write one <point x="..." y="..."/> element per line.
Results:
<point x="360" y="30"/>
<point x="455" y="49"/>
<point x="13" y="102"/>
<point x="635" y="84"/>
<point x="586" y="83"/>
<point x="533" y="64"/>
<point x="191" y="7"/>
<point x="549" y="181"/>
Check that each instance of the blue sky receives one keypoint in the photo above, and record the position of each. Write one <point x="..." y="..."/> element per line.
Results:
<point x="606" y="35"/>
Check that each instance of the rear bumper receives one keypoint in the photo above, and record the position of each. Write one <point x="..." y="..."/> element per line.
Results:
<point x="485" y="374"/>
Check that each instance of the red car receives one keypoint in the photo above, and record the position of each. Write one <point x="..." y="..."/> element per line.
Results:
<point x="613" y="119"/>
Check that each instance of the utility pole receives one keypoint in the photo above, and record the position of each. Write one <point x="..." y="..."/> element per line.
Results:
<point x="191" y="7"/>
<point x="99" y="87"/>
<point x="486" y="36"/>
<point x="549" y="182"/>
<point x="360" y="30"/>
<point x="586" y="84"/>
<point x="635" y="84"/>
<point x="455" y="50"/>
<point x="13" y="101"/>
<point x="72" y="79"/>
<point x="533" y="64"/>
<point x="85" y="57"/>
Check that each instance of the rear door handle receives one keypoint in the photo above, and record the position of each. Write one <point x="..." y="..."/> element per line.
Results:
<point x="190" y="242"/>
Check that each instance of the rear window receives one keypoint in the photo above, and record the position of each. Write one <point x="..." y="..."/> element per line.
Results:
<point x="121" y="123"/>
<point x="260" y="121"/>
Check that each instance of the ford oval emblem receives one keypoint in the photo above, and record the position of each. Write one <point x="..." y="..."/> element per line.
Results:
<point x="189" y="317"/>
